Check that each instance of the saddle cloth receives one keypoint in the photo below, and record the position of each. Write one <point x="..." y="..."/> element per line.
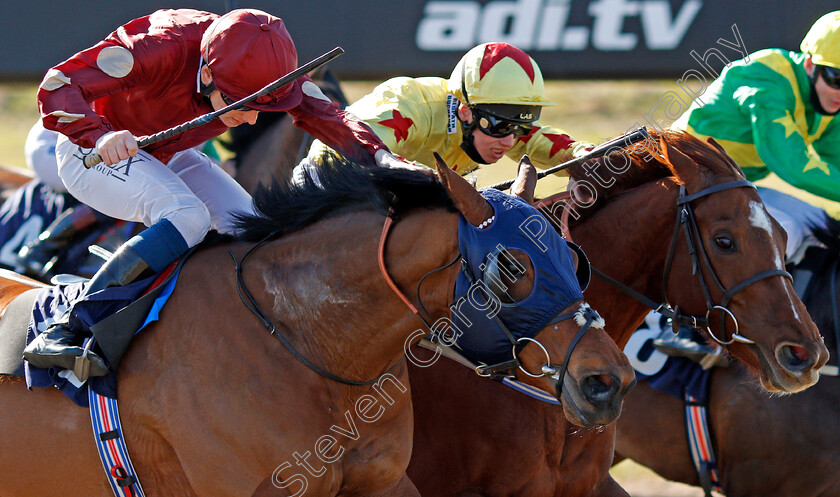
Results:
<point x="110" y="306"/>
<point x="675" y="376"/>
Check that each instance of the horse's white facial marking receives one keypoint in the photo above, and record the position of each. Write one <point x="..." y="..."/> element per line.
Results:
<point x="761" y="219"/>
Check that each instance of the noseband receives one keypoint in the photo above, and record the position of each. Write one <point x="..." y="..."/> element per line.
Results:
<point x="697" y="251"/>
<point x="686" y="220"/>
<point x="502" y="369"/>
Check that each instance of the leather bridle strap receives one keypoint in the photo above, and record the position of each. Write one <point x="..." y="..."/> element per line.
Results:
<point x="386" y="228"/>
<point x="566" y="198"/>
<point x="251" y="305"/>
<point x="685" y="218"/>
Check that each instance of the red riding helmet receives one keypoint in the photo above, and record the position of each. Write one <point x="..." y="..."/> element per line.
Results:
<point x="247" y="49"/>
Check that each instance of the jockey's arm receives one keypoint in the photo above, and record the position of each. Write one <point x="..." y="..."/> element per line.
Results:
<point x="810" y="164"/>
<point x="547" y="146"/>
<point x="317" y="115"/>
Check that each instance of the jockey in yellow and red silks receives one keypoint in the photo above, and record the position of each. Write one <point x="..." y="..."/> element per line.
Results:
<point x="487" y="109"/>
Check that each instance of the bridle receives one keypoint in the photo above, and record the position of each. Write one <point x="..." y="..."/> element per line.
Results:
<point x="686" y="219"/>
<point x="495" y="370"/>
<point x="697" y="251"/>
<point x="251" y="305"/>
<point x="502" y="369"/>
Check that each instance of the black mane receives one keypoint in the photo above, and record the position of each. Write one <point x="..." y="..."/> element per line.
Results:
<point x="345" y="187"/>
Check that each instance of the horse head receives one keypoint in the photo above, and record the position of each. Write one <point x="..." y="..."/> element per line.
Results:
<point x="741" y="285"/>
<point x="519" y="303"/>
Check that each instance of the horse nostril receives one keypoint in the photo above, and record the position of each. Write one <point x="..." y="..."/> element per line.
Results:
<point x="598" y="387"/>
<point x="800" y="353"/>
<point x="795" y="358"/>
<point x="605" y="379"/>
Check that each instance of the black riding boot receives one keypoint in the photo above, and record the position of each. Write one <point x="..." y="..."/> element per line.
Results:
<point x="59" y="345"/>
<point x="39" y="256"/>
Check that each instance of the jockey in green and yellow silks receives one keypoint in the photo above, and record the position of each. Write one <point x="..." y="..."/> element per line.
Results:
<point x="774" y="111"/>
<point x="487" y="109"/>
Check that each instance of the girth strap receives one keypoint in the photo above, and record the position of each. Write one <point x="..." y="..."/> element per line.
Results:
<point x="107" y="431"/>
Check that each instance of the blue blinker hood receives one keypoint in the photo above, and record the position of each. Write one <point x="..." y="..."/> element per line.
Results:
<point x="483" y="325"/>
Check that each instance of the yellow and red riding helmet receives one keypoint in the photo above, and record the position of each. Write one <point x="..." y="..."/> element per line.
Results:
<point x="500" y="77"/>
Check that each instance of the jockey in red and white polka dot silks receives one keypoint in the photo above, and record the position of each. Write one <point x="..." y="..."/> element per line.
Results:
<point x="500" y="83"/>
<point x="144" y="78"/>
<point x="151" y="74"/>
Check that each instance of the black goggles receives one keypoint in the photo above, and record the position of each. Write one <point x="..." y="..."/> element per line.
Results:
<point x="497" y="127"/>
<point x="831" y="76"/>
<point x="228" y="101"/>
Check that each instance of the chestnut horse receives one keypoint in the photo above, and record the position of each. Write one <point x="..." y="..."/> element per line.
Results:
<point x="212" y="404"/>
<point x="785" y="446"/>
<point x="477" y="438"/>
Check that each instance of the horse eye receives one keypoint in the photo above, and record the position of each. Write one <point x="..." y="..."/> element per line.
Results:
<point x="724" y="242"/>
<point x="512" y="265"/>
<point x="506" y="276"/>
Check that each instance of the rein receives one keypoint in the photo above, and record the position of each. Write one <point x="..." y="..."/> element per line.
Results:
<point x="686" y="220"/>
<point x="251" y="305"/>
<point x="498" y="370"/>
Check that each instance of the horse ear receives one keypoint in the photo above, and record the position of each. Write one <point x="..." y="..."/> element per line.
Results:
<point x="683" y="166"/>
<point x="729" y="160"/>
<point x="526" y="180"/>
<point x="475" y="208"/>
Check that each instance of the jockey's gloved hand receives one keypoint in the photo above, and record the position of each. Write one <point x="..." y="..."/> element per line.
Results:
<point x="115" y="146"/>
<point x="386" y="159"/>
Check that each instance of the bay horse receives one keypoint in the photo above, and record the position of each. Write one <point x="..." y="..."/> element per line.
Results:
<point x="214" y="405"/>
<point x="785" y="446"/>
<point x="476" y="438"/>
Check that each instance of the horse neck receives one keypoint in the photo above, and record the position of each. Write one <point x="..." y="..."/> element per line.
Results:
<point x="628" y="239"/>
<point x="330" y="298"/>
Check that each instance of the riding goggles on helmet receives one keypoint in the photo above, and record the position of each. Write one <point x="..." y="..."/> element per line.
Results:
<point x="497" y="127"/>
<point x="831" y="76"/>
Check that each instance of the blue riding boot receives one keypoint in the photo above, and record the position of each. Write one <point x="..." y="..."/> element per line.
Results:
<point x="155" y="248"/>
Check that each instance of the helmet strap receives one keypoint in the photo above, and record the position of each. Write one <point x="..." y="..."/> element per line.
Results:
<point x="468" y="141"/>
<point x="467" y="129"/>
<point x="815" y="99"/>
<point x="208" y="89"/>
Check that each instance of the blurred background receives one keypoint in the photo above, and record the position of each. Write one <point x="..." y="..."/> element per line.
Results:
<point x="610" y="65"/>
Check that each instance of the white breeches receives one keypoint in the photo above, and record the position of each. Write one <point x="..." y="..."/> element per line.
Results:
<point x="192" y="192"/>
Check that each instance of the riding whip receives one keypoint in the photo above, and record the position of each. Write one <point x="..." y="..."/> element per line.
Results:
<point x="94" y="158"/>
<point x="601" y="150"/>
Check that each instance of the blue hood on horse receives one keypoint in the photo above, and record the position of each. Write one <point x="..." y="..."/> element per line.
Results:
<point x="483" y="314"/>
